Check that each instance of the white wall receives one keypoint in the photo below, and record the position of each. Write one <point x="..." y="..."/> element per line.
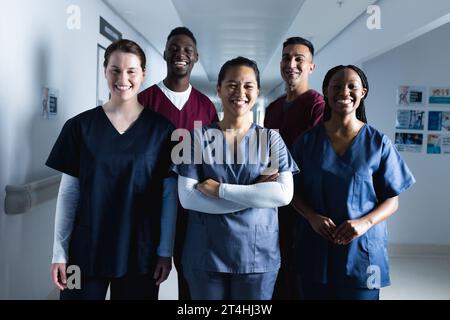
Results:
<point x="401" y="21"/>
<point x="424" y="215"/>
<point x="38" y="50"/>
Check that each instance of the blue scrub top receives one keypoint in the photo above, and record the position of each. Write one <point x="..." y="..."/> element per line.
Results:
<point x="117" y="222"/>
<point x="344" y="188"/>
<point x="245" y="241"/>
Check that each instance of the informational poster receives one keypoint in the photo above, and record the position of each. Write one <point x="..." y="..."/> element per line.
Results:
<point x="409" y="142"/>
<point x="439" y="95"/>
<point x="439" y="121"/>
<point x="49" y="103"/>
<point x="434" y="144"/>
<point x="445" y="146"/>
<point x="410" y="119"/>
<point x="410" y="95"/>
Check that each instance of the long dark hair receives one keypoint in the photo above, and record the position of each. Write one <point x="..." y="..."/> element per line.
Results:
<point x="361" y="111"/>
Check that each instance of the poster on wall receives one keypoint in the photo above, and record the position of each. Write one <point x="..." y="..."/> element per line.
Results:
<point x="445" y="146"/>
<point x="439" y="121"/>
<point x="409" y="142"/>
<point x="410" y="95"/>
<point x="410" y="119"/>
<point x="439" y="95"/>
<point x="49" y="103"/>
<point x="434" y="144"/>
<point x="102" y="84"/>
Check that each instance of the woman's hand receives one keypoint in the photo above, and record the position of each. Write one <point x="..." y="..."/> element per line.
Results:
<point x="322" y="225"/>
<point x="209" y="188"/>
<point x="268" y="177"/>
<point x="162" y="270"/>
<point x="59" y="275"/>
<point x="350" y="230"/>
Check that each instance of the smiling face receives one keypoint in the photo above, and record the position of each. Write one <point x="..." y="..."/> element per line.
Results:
<point x="296" y="65"/>
<point x="124" y="75"/>
<point x="344" y="92"/>
<point x="238" y="91"/>
<point x="180" y="55"/>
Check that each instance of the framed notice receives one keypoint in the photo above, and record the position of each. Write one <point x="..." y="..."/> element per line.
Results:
<point x="439" y="121"/>
<point x="409" y="142"/>
<point x="439" y="95"/>
<point x="410" y="119"/>
<point x="410" y="95"/>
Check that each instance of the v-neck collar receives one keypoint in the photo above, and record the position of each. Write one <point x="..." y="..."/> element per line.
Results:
<point x="130" y="127"/>
<point x="250" y="129"/>
<point x="349" y="148"/>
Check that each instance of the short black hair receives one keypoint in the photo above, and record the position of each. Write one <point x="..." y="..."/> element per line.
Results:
<point x="361" y="111"/>
<point x="299" y="40"/>
<point x="182" y="31"/>
<point x="238" y="61"/>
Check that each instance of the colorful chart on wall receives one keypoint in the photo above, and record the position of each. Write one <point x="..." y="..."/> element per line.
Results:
<point x="410" y="95"/>
<point x="409" y="142"/>
<point x="410" y="119"/>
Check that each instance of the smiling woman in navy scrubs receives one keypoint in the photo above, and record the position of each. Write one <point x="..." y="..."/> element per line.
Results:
<point x="231" y="249"/>
<point x="116" y="207"/>
<point x="349" y="182"/>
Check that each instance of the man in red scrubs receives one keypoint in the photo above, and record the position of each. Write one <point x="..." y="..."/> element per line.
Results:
<point x="300" y="109"/>
<point x="176" y="99"/>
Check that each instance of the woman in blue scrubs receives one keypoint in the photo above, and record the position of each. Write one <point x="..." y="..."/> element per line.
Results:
<point x="116" y="207"/>
<point x="349" y="182"/>
<point x="231" y="248"/>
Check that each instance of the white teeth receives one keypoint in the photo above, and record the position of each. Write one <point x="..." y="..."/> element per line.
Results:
<point x="239" y="102"/>
<point x="348" y="101"/>
<point x="123" y="88"/>
<point x="181" y="63"/>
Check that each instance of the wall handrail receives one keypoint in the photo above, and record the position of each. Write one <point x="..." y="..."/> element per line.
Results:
<point x="21" y="198"/>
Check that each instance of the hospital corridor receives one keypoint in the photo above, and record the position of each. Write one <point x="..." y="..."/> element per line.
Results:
<point x="225" y="150"/>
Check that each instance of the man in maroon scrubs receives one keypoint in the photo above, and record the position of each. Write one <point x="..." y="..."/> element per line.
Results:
<point x="300" y="109"/>
<point x="180" y="103"/>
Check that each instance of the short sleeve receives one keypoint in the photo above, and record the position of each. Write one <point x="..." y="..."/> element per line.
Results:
<point x="280" y="151"/>
<point x="65" y="155"/>
<point x="189" y="165"/>
<point x="393" y="175"/>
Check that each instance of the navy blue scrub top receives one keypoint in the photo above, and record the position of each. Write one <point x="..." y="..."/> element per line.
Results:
<point x="117" y="222"/>
<point x="245" y="241"/>
<point x="344" y="188"/>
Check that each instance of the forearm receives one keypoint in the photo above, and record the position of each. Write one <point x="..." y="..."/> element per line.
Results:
<point x="383" y="211"/>
<point x="301" y="207"/>
<point x="66" y="205"/>
<point x="168" y="217"/>
<point x="260" y="195"/>
<point x="192" y="199"/>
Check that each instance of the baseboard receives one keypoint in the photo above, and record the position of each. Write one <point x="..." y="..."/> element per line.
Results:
<point x="419" y="250"/>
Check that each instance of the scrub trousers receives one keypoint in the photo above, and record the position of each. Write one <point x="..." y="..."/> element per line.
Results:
<point x="129" y="287"/>
<point x="207" y="285"/>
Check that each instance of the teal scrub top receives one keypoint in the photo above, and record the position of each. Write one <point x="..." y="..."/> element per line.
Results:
<point x="245" y="241"/>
